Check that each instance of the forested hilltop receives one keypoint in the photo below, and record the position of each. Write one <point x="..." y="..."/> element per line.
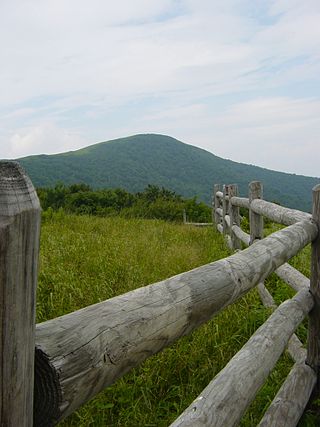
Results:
<point x="134" y="162"/>
<point x="152" y="203"/>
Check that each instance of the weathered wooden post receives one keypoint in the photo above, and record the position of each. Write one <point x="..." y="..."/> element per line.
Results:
<point x="234" y="216"/>
<point x="19" y="248"/>
<point x="225" y="209"/>
<point x="184" y="213"/>
<point x="256" y="230"/>
<point x="256" y="221"/>
<point x="313" y="355"/>
<point x="216" y="203"/>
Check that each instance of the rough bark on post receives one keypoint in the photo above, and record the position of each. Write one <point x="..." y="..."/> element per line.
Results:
<point x="19" y="246"/>
<point x="234" y="213"/>
<point x="313" y="357"/>
<point x="216" y="217"/>
<point x="256" y="221"/>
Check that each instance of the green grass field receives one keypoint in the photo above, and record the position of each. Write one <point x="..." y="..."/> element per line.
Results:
<point x="84" y="260"/>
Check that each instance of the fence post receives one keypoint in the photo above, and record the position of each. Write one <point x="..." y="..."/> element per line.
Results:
<point x="256" y="221"/>
<point x="19" y="248"/>
<point x="184" y="213"/>
<point x="234" y="217"/>
<point x="225" y="209"/>
<point x="313" y="355"/>
<point x="216" y="203"/>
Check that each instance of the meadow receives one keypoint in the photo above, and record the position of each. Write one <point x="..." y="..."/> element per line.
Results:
<point x="87" y="259"/>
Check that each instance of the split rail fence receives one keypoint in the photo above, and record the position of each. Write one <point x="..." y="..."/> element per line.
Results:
<point x="50" y="369"/>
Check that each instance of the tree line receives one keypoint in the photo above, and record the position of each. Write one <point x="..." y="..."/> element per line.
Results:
<point x="153" y="202"/>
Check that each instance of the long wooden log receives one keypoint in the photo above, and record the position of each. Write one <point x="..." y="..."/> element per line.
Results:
<point x="224" y="401"/>
<point x="289" y="403"/>
<point x="81" y="353"/>
<point x="266" y="297"/>
<point x="295" y="346"/>
<point x="242" y="235"/>
<point x="296" y="350"/>
<point x="241" y="202"/>
<point x="19" y="247"/>
<point x="278" y="213"/>
<point x="293" y="277"/>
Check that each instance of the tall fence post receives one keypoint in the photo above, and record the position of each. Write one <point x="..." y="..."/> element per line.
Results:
<point x="234" y="217"/>
<point x="225" y="209"/>
<point x="313" y="355"/>
<point x="256" y="221"/>
<point x="19" y="248"/>
<point x="216" y="202"/>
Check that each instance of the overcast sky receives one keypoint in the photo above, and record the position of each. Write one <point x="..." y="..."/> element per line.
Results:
<point x="240" y="78"/>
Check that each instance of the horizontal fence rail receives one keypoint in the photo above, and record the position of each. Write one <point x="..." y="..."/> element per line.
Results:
<point x="237" y="384"/>
<point x="73" y="357"/>
<point x="100" y="343"/>
<point x="290" y="401"/>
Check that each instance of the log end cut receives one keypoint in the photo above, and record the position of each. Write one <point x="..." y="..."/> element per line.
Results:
<point x="47" y="392"/>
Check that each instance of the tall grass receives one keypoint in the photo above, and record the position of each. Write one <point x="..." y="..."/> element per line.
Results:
<point x="85" y="260"/>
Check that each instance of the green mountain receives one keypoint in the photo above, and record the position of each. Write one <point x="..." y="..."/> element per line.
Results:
<point x="134" y="162"/>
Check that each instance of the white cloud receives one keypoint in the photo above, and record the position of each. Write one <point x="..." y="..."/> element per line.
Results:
<point x="45" y="139"/>
<point x="202" y="70"/>
<point x="277" y="133"/>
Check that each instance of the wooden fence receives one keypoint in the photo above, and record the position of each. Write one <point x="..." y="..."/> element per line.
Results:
<point x="79" y="354"/>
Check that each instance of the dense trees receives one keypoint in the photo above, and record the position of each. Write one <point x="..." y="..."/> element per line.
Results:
<point x="153" y="202"/>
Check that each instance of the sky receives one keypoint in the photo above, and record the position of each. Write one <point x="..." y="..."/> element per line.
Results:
<point x="239" y="78"/>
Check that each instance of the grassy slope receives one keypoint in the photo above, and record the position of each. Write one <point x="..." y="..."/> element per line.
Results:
<point x="134" y="162"/>
<point x="85" y="260"/>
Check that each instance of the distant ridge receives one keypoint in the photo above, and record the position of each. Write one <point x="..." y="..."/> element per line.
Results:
<point x="136" y="161"/>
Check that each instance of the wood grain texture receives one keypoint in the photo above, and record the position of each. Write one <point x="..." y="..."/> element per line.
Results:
<point x="313" y="358"/>
<point x="278" y="213"/>
<point x="91" y="348"/>
<point x="19" y="247"/>
<point x="223" y="402"/>
<point x="292" y="398"/>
